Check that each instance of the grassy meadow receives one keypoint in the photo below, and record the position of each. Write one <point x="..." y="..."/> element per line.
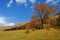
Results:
<point x="44" y="34"/>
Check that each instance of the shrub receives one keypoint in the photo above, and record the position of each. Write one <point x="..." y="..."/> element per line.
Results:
<point x="23" y="27"/>
<point x="27" y="32"/>
<point x="57" y="27"/>
<point x="39" y="27"/>
<point x="33" y="29"/>
<point x="58" y="23"/>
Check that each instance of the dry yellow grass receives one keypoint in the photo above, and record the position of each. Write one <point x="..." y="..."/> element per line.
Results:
<point x="33" y="35"/>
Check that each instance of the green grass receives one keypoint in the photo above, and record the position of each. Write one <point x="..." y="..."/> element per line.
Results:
<point x="33" y="35"/>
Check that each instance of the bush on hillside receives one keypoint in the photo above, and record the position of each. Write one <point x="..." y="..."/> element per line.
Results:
<point x="23" y="27"/>
<point x="27" y="32"/>
<point x="39" y="27"/>
<point x="33" y="29"/>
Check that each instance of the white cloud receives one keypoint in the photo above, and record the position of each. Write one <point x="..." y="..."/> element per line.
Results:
<point x="32" y="1"/>
<point x="24" y="2"/>
<point x="9" y="24"/>
<point x="49" y="1"/>
<point x="21" y="1"/>
<point x="10" y="2"/>
<point x="4" y="22"/>
<point x="53" y="2"/>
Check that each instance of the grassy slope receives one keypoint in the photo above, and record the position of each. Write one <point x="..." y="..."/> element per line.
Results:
<point x="9" y="27"/>
<point x="33" y="35"/>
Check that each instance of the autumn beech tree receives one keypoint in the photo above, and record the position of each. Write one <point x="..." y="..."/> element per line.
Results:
<point x="43" y="12"/>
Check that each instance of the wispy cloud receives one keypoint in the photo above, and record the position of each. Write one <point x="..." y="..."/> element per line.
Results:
<point x="49" y="1"/>
<point x="53" y="2"/>
<point x="25" y="1"/>
<point x="21" y="1"/>
<point x="32" y="1"/>
<point x="4" y="22"/>
<point x="10" y="2"/>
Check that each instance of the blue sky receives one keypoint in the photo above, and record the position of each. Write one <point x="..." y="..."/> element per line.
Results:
<point x="19" y="11"/>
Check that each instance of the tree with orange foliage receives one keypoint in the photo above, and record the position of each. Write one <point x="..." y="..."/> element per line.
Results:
<point x="43" y="12"/>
